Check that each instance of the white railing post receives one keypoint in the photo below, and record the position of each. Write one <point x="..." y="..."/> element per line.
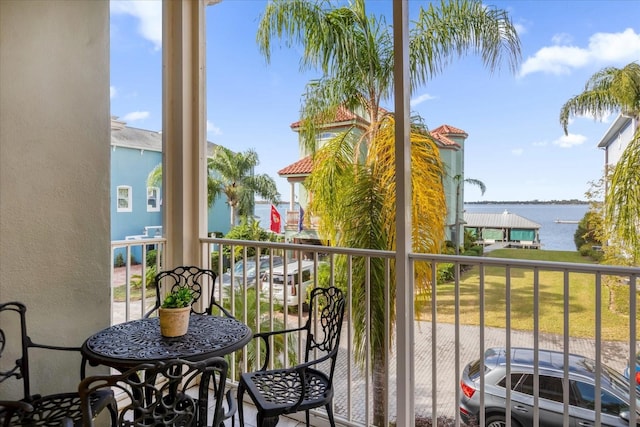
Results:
<point x="404" y="283"/>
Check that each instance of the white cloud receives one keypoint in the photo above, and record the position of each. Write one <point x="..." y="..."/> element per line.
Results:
<point x="555" y="60"/>
<point x="420" y="99"/>
<point x="540" y="144"/>
<point x="618" y="47"/>
<point x="561" y="38"/>
<point x="520" y="28"/>
<point x="149" y="14"/>
<point x="517" y="151"/>
<point x="568" y="141"/>
<point x="213" y="129"/>
<point x="135" y="116"/>
<point x="603" y="48"/>
<point x="112" y="92"/>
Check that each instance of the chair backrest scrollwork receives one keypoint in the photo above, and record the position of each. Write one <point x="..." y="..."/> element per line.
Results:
<point x="326" y="313"/>
<point x="156" y="393"/>
<point x="195" y="278"/>
<point x="19" y="352"/>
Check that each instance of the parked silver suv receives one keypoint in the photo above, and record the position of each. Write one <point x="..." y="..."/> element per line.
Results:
<point x="614" y="392"/>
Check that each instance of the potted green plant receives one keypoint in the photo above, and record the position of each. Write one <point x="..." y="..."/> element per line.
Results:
<point x="174" y="312"/>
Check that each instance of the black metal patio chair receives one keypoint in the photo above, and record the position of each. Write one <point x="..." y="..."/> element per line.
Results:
<point x="158" y="394"/>
<point x="34" y="409"/>
<point x="302" y="387"/>
<point x="196" y="279"/>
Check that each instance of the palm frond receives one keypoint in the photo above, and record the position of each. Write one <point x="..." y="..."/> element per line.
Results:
<point x="608" y="90"/>
<point x="455" y="28"/>
<point x="622" y="201"/>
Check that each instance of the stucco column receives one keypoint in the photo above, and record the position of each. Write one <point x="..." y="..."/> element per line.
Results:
<point x="292" y="195"/>
<point x="183" y="131"/>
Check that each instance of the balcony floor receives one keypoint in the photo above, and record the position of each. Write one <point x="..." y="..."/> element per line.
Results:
<point x="250" y="419"/>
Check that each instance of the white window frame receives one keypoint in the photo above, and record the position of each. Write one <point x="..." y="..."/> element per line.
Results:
<point x="128" y="198"/>
<point x="155" y="190"/>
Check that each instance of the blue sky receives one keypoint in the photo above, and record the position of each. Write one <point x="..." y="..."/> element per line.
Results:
<point x="516" y="145"/>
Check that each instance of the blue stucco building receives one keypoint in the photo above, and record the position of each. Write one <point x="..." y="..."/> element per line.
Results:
<point x="136" y="209"/>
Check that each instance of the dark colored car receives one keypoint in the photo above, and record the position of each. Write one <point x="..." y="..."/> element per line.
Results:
<point x="614" y="391"/>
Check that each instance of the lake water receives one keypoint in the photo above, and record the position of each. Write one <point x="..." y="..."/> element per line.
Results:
<point x="553" y="236"/>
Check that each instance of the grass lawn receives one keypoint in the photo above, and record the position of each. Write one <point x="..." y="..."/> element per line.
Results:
<point x="615" y="298"/>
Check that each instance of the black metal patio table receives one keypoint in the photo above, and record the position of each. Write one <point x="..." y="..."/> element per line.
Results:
<point x="129" y="344"/>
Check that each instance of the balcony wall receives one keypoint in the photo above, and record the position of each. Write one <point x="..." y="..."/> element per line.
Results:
<point x="442" y="347"/>
<point x="54" y="175"/>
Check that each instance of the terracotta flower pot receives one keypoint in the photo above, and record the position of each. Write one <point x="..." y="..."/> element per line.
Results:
<point x="174" y="322"/>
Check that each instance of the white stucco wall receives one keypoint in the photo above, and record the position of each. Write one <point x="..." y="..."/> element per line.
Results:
<point x="54" y="174"/>
<point x="619" y="144"/>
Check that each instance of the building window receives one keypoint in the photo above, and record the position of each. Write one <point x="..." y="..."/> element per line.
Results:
<point x="326" y="136"/>
<point x="124" y="198"/>
<point x="153" y="199"/>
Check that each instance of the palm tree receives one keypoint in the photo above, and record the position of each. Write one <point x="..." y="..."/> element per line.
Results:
<point x="616" y="89"/>
<point x="354" y="51"/>
<point x="354" y="202"/>
<point x="231" y="174"/>
<point x="459" y="181"/>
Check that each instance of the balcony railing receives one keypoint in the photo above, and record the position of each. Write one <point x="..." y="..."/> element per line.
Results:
<point x="454" y="325"/>
<point x="130" y="299"/>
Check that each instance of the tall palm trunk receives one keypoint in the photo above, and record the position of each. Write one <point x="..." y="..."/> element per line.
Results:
<point x="380" y="371"/>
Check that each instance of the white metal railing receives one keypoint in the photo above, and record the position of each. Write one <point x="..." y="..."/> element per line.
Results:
<point x="441" y="348"/>
<point x="130" y="297"/>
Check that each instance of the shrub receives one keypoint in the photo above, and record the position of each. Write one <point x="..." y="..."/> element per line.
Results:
<point x="119" y="261"/>
<point x="152" y="256"/>
<point x="151" y="272"/>
<point x="446" y="272"/>
<point x="226" y="262"/>
<point x="587" y="232"/>
<point x="475" y="250"/>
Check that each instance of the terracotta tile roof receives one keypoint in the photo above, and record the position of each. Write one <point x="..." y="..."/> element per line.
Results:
<point x="342" y="115"/>
<point x="441" y="134"/>
<point x="444" y="140"/>
<point x="303" y="166"/>
<point x="450" y="130"/>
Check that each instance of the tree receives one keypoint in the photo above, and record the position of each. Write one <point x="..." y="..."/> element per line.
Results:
<point x="354" y="52"/>
<point x="355" y="202"/>
<point x="232" y="174"/>
<point x="459" y="181"/>
<point x="248" y="229"/>
<point x="616" y="89"/>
